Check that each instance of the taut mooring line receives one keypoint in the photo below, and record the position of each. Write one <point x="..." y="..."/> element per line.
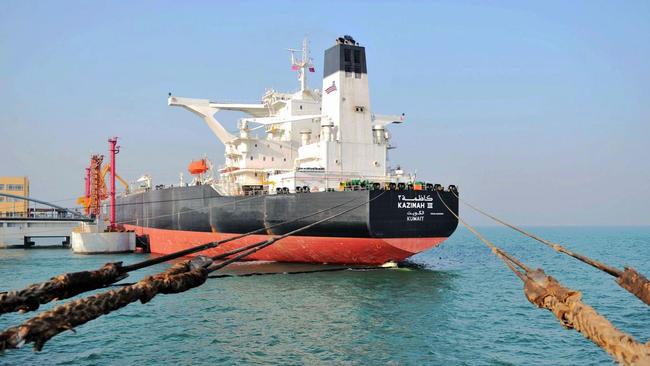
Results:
<point x="256" y="274"/>
<point x="180" y="277"/>
<point x="566" y="304"/>
<point x="210" y="245"/>
<point x="629" y="279"/>
<point x="263" y="244"/>
<point x="71" y="284"/>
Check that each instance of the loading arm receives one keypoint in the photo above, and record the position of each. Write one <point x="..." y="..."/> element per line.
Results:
<point x="203" y="109"/>
<point x="206" y="110"/>
<point x="106" y="169"/>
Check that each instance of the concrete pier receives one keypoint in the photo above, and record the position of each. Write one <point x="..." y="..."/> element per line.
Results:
<point x="92" y="239"/>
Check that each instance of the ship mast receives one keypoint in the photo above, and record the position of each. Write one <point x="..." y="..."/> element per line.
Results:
<point x="303" y="64"/>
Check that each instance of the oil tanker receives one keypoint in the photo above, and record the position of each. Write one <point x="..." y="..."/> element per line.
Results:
<point x="296" y="155"/>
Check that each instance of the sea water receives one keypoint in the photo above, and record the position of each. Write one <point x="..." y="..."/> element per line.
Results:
<point x="462" y="306"/>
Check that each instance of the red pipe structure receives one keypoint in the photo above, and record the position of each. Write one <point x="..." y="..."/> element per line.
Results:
<point x="114" y="149"/>
<point x="87" y="195"/>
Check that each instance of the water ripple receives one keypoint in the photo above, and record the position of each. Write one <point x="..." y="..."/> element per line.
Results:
<point x="456" y="304"/>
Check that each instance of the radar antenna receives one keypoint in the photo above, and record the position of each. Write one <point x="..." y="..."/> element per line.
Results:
<point x="303" y="64"/>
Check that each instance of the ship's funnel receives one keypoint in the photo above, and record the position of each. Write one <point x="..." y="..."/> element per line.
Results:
<point x="346" y="104"/>
<point x="346" y="56"/>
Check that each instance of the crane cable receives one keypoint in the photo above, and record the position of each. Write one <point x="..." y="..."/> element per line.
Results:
<point x="71" y="284"/>
<point x="546" y="292"/>
<point x="629" y="279"/>
<point x="180" y="277"/>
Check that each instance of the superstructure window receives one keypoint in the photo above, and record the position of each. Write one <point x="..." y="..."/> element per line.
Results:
<point x="2" y="187"/>
<point x="14" y="187"/>
<point x="357" y="56"/>
<point x="251" y="158"/>
<point x="347" y="55"/>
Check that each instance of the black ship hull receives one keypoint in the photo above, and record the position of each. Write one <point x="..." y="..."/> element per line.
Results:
<point x="395" y="224"/>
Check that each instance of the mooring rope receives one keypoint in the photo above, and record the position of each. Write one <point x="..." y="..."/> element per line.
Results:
<point x="510" y="261"/>
<point x="60" y="287"/>
<point x="71" y="284"/>
<point x="179" y="278"/>
<point x="338" y="269"/>
<point x="629" y="279"/>
<point x="255" y="274"/>
<point x="210" y="245"/>
<point x="263" y="244"/>
<point x="546" y="292"/>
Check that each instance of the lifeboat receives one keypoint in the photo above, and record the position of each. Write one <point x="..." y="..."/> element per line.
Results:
<point x="198" y="167"/>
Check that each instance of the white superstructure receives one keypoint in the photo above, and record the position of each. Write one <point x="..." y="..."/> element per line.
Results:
<point x="310" y="138"/>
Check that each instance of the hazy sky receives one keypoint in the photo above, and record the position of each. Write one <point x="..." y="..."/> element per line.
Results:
<point x="538" y="112"/>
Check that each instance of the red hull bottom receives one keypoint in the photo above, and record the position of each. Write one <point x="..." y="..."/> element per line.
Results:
<point x="300" y="249"/>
